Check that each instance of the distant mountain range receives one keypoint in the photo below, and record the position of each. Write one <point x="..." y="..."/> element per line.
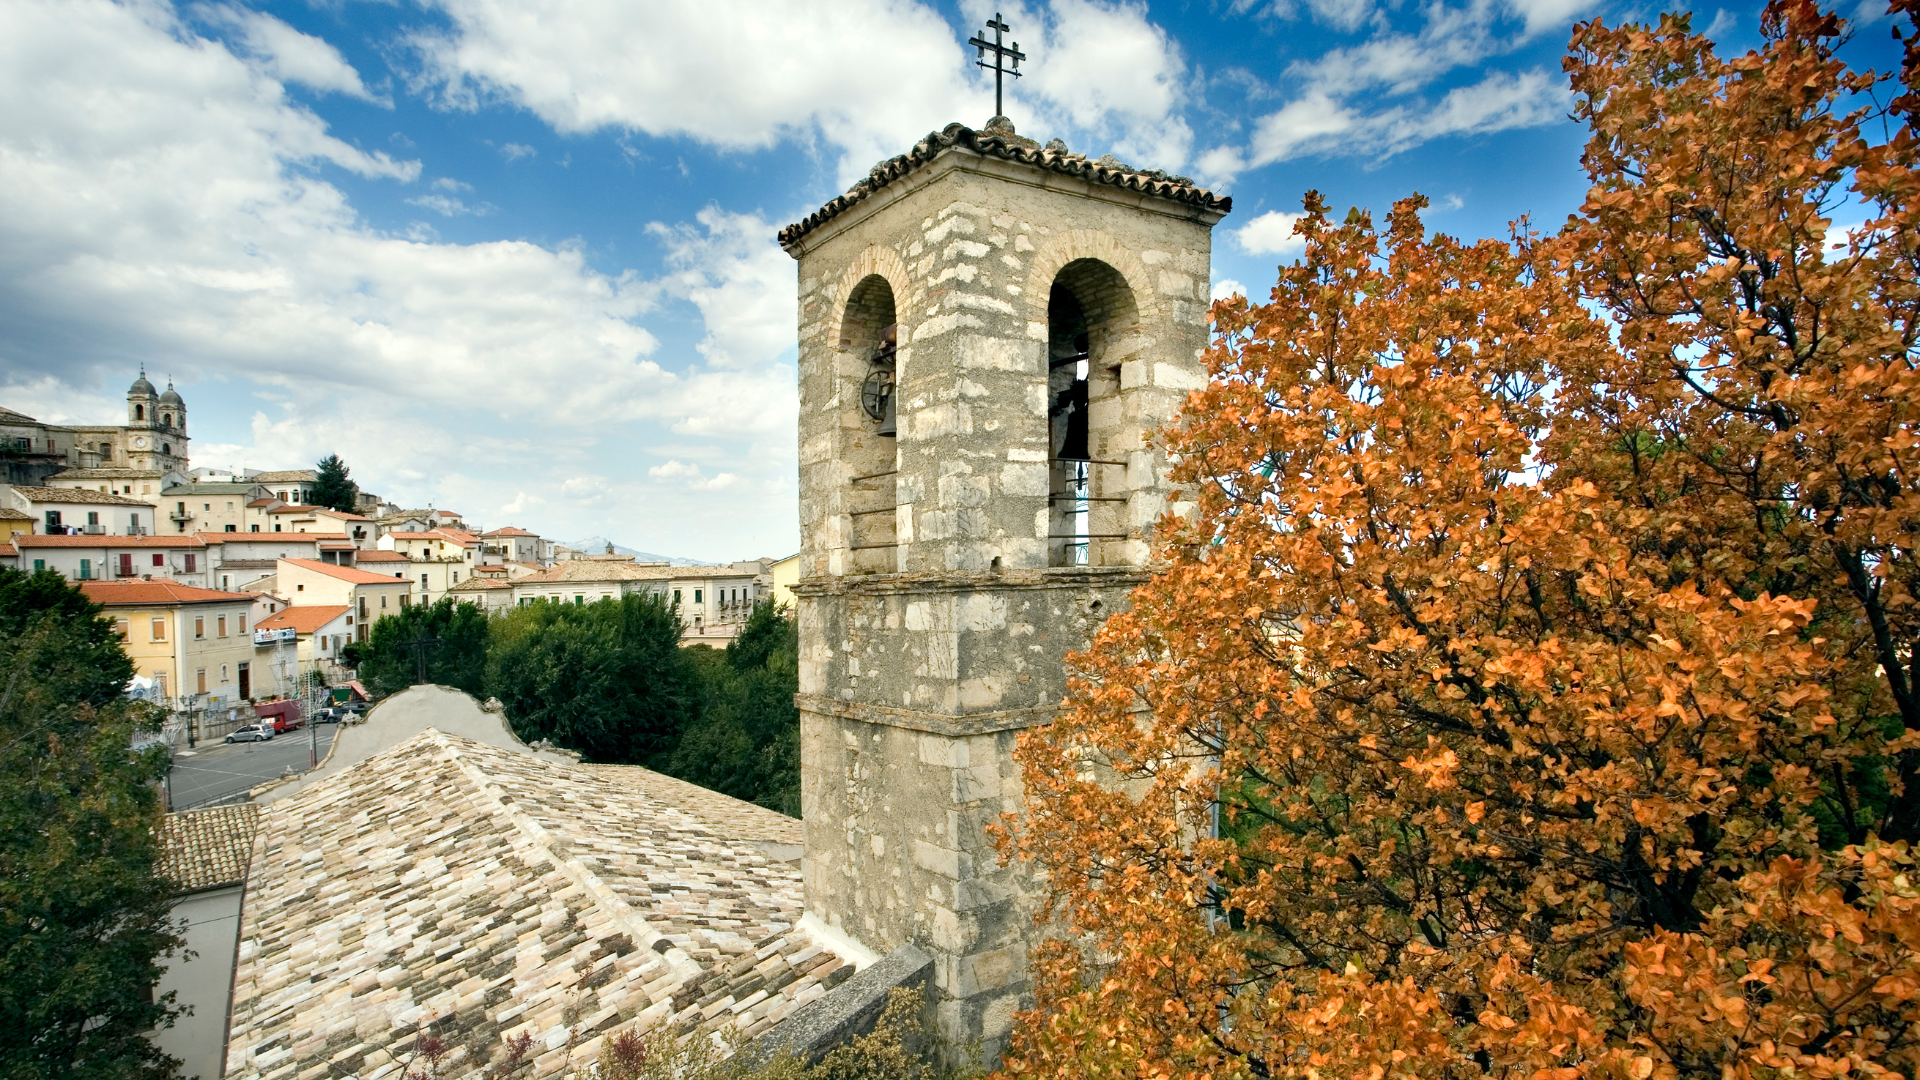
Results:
<point x="597" y="545"/>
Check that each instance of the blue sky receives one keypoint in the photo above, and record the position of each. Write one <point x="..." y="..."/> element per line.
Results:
<point x="516" y="257"/>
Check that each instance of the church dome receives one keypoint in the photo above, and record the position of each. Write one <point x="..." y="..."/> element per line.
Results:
<point x="171" y="397"/>
<point x="141" y="386"/>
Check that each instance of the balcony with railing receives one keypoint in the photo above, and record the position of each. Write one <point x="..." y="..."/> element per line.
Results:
<point x="285" y="635"/>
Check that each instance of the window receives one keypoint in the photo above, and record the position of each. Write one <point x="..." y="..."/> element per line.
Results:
<point x="223" y="674"/>
<point x="299" y="588"/>
<point x="696" y="596"/>
<point x="160" y="683"/>
<point x="133" y="523"/>
<point x="53" y="522"/>
<point x="39" y="564"/>
<point x="157" y="628"/>
<point x="200" y="680"/>
<point x="231" y="529"/>
<point x="159" y="559"/>
<point x="676" y="596"/>
<point x="221" y="624"/>
<point x="226" y="582"/>
<point x="253" y="528"/>
<point x="276" y="526"/>
<point x="579" y="598"/>
<point x="199" y="627"/>
<point x="229" y="506"/>
<point x="93" y="517"/>
<point x="383" y="599"/>
<point x="203" y="506"/>
<point x="139" y="412"/>
<point x="121" y="630"/>
<point x="242" y="630"/>
<point x="86" y="569"/>
<point x="126" y="564"/>
<point x="423" y="581"/>
<point x="190" y="563"/>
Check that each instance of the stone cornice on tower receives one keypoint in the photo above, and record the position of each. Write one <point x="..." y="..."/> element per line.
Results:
<point x="1000" y="143"/>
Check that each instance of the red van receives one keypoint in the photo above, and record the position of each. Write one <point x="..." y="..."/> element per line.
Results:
<point x="283" y="715"/>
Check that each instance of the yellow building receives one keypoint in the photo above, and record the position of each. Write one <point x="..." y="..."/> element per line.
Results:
<point x="372" y="597"/>
<point x="438" y="559"/>
<point x="193" y="643"/>
<point x="14" y="523"/>
<point x="785" y="574"/>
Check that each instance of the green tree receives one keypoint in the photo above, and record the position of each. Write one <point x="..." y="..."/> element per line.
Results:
<point x="389" y="665"/>
<point x="746" y="739"/>
<point x="333" y="488"/>
<point x="84" y="920"/>
<point x="608" y="679"/>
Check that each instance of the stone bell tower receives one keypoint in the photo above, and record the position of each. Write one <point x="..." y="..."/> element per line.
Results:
<point x="989" y="329"/>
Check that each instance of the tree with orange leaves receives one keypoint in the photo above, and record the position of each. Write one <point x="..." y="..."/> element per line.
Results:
<point x="1534" y="690"/>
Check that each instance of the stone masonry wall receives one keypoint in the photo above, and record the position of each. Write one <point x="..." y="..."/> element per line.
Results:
<point x="930" y="637"/>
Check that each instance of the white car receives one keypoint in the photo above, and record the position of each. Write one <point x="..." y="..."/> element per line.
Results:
<point x="252" y="733"/>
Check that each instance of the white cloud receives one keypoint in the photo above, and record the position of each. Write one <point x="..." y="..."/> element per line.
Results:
<point x="741" y="281"/>
<point x="865" y="77"/>
<point x="514" y="151"/>
<point x="1105" y="72"/>
<point x="1270" y="234"/>
<point x="448" y="206"/>
<point x="691" y="476"/>
<point x="164" y="200"/>
<point x="448" y="183"/>
<point x="287" y="54"/>
<point x="1226" y="287"/>
<point x="1362" y="101"/>
<point x="869" y="76"/>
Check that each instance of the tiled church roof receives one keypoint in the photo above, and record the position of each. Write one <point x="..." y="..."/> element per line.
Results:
<point x="486" y="893"/>
<point x="1054" y="158"/>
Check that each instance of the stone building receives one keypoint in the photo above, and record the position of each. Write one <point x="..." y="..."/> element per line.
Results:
<point x="988" y="330"/>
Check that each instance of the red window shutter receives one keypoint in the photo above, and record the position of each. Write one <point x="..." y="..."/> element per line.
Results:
<point x="126" y="565"/>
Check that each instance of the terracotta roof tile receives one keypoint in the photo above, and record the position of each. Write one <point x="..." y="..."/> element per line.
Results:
<point x="961" y="138"/>
<point x="489" y="892"/>
<point x="479" y="584"/>
<point x="303" y="620"/>
<point x="205" y="849"/>
<point x="511" y="531"/>
<point x="285" y="476"/>
<point x="380" y="555"/>
<point x="35" y="540"/>
<point x="345" y="573"/>
<point x="123" y="593"/>
<point x="583" y="570"/>
<point x="78" y="495"/>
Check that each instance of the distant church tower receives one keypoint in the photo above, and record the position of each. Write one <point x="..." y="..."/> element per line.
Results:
<point x="988" y="330"/>
<point x="155" y="436"/>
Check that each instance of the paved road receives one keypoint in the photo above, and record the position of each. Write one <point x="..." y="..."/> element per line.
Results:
<point x="215" y="770"/>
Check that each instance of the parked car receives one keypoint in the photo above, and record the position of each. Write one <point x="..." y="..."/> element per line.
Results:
<point x="251" y="733"/>
<point x="331" y="715"/>
<point x="355" y="707"/>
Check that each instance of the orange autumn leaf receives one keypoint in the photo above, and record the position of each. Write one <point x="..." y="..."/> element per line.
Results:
<point x="1531" y="690"/>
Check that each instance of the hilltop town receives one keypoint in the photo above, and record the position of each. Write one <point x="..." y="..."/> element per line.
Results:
<point x="231" y="586"/>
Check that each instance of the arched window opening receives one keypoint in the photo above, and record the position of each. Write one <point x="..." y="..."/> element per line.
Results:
<point x="166" y="420"/>
<point x="139" y="412"/>
<point x="1091" y="325"/>
<point x="869" y="340"/>
<point x="166" y="448"/>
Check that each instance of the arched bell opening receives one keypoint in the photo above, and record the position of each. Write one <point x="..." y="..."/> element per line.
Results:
<point x="1091" y="320"/>
<point x="869" y="341"/>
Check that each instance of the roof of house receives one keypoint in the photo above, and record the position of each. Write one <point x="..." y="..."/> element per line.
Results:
<point x="303" y="620"/>
<point x="8" y="513"/>
<point x="345" y="573"/>
<point x="511" y="530"/>
<point x="10" y="417"/>
<point x="381" y="555"/>
<point x="8" y="551"/>
<point x="265" y="501"/>
<point x="211" y="487"/>
<point x="77" y="495"/>
<point x="146" y="593"/>
<point x="479" y="584"/>
<point x="205" y="849"/>
<point x="581" y="570"/>
<point x="491" y="892"/>
<point x="108" y="473"/>
<point x="295" y="508"/>
<point x="1007" y="146"/>
<point x="109" y="541"/>
<point x="341" y="514"/>
<point x="285" y="476"/>
<point x="458" y="536"/>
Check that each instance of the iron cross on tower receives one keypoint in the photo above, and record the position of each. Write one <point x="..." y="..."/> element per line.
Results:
<point x="1001" y="54"/>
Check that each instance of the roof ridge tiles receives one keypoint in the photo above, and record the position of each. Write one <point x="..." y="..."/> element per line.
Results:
<point x="1106" y="171"/>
